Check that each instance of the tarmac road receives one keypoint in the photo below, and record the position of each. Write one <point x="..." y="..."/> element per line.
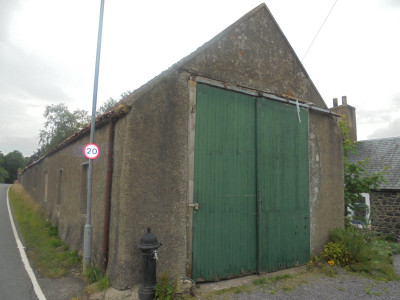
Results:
<point x="15" y="282"/>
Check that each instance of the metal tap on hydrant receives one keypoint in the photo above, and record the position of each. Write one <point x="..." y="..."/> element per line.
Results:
<point x="149" y="247"/>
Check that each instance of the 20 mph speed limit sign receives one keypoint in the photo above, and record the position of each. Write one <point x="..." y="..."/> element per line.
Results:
<point x="91" y="151"/>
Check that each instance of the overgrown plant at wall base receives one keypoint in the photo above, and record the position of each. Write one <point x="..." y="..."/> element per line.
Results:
<point x="361" y="250"/>
<point x="98" y="280"/>
<point x="357" y="179"/>
<point x="346" y="247"/>
<point x="166" y="288"/>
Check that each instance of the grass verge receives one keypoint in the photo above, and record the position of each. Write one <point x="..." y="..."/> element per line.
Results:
<point x="49" y="254"/>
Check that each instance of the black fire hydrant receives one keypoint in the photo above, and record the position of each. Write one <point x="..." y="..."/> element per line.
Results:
<point x="148" y="245"/>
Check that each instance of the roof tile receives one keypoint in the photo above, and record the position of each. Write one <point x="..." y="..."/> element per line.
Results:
<point x="381" y="153"/>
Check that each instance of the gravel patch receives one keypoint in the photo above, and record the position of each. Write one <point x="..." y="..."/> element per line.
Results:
<point x="318" y="286"/>
<point x="300" y="285"/>
<point x="344" y="286"/>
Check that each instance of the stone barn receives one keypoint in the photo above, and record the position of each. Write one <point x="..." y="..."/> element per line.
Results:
<point x="231" y="156"/>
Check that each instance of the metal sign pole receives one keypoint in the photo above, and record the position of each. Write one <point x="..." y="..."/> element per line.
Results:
<point x="87" y="238"/>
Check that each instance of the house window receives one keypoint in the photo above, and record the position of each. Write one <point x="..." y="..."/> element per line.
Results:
<point x="59" y="185"/>
<point x="361" y="214"/>
<point x="84" y="179"/>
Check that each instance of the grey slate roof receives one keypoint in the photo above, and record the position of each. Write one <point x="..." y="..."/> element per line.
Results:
<point x="381" y="153"/>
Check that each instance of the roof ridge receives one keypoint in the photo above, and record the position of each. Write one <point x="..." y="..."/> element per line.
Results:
<point x="381" y="152"/>
<point x="380" y="139"/>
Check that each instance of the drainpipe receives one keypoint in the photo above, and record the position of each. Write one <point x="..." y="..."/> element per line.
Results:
<point x="107" y="198"/>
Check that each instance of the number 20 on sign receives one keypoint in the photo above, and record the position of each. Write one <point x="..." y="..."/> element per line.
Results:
<point x="91" y="151"/>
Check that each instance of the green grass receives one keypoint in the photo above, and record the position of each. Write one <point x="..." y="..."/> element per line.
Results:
<point x="93" y="274"/>
<point x="97" y="280"/>
<point x="272" y="279"/>
<point x="285" y="282"/>
<point x="228" y="291"/>
<point x="49" y="254"/>
<point x="379" y="264"/>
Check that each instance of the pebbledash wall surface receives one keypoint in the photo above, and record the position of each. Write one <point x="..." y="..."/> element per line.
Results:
<point x="153" y="134"/>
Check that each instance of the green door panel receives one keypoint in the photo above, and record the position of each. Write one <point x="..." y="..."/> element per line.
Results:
<point x="282" y="186"/>
<point x="224" y="226"/>
<point x="251" y="184"/>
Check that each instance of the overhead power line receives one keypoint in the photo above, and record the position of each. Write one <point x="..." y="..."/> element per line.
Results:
<point x="315" y="37"/>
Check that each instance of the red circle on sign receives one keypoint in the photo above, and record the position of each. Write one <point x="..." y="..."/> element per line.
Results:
<point x="91" y="151"/>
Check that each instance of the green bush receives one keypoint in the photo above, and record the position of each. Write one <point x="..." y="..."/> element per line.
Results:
<point x="336" y="254"/>
<point x="361" y="250"/>
<point x="354" y="244"/>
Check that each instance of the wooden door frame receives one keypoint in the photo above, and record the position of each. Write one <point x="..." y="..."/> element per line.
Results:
<point x="192" y="88"/>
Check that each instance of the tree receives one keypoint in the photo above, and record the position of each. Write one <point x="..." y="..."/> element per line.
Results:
<point x="60" y="124"/>
<point x="12" y="162"/>
<point x="357" y="179"/>
<point x="111" y="102"/>
<point x="34" y="157"/>
<point x="108" y="105"/>
<point x="3" y="171"/>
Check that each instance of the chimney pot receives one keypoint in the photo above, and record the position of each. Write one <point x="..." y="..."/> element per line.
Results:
<point x="344" y="100"/>
<point x="335" y="102"/>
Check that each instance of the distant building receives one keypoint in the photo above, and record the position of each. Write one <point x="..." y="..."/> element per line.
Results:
<point x="384" y="156"/>
<point x="231" y="156"/>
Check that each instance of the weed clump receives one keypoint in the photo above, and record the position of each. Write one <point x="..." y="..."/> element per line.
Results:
<point x="96" y="278"/>
<point x="166" y="288"/>
<point x="361" y="250"/>
<point x="346" y="247"/>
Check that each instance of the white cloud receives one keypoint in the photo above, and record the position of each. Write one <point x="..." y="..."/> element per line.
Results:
<point x="387" y="121"/>
<point x="390" y="129"/>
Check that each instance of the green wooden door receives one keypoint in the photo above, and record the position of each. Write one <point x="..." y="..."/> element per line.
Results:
<point x="251" y="184"/>
<point x="282" y="186"/>
<point x="224" y="226"/>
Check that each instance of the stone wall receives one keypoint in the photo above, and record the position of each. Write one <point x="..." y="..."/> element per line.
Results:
<point x="385" y="212"/>
<point x="58" y="182"/>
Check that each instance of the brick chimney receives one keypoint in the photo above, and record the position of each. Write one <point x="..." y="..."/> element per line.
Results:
<point x="350" y="113"/>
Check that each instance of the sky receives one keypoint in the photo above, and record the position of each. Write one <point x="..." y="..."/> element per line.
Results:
<point x="48" y="52"/>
